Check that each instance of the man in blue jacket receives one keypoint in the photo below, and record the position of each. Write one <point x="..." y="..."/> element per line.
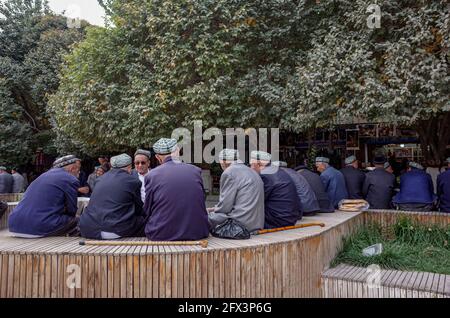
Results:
<point x="416" y="190"/>
<point x="115" y="209"/>
<point x="281" y="204"/>
<point x="333" y="181"/>
<point x="174" y="197"/>
<point x="443" y="189"/>
<point x="49" y="205"/>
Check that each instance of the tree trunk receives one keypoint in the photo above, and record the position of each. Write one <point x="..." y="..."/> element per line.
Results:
<point x="434" y="135"/>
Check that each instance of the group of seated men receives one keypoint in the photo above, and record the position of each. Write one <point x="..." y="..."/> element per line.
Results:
<point x="415" y="192"/>
<point x="12" y="182"/>
<point x="167" y="203"/>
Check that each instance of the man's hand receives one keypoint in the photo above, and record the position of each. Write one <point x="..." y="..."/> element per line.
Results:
<point x="84" y="190"/>
<point x="210" y="210"/>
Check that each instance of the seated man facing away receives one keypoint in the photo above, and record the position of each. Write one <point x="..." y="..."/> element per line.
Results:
<point x="354" y="178"/>
<point x="6" y="181"/>
<point x="115" y="209"/>
<point x="443" y="189"/>
<point x="19" y="181"/>
<point x="241" y="194"/>
<point x="49" y="205"/>
<point x="307" y="199"/>
<point x="281" y="203"/>
<point x="316" y="185"/>
<point x="378" y="186"/>
<point x="416" y="190"/>
<point x="174" y="197"/>
<point x="333" y="181"/>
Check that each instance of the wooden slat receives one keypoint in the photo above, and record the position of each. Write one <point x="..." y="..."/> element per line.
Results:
<point x="155" y="272"/>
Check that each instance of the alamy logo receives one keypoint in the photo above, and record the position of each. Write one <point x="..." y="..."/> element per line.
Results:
<point x="374" y="278"/>
<point x="73" y="13"/>
<point x="74" y="278"/>
<point x="374" y="20"/>
<point x="243" y="140"/>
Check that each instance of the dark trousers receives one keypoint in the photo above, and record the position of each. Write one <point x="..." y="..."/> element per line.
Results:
<point x="70" y="229"/>
<point x="415" y="207"/>
<point x="138" y="230"/>
<point x="3" y="208"/>
<point x="310" y="213"/>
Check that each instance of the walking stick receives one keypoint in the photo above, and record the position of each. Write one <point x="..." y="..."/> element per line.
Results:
<point x="292" y="227"/>
<point x="202" y="243"/>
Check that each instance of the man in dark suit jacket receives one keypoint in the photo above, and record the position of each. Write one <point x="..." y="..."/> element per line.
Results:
<point x="281" y="203"/>
<point x="115" y="209"/>
<point x="378" y="185"/>
<point x="316" y="184"/>
<point x="354" y="178"/>
<point x="307" y="199"/>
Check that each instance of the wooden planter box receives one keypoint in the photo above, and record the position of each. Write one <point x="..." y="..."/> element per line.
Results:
<point x="345" y="281"/>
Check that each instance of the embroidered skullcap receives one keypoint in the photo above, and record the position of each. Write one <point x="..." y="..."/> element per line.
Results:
<point x="415" y="165"/>
<point x="165" y="146"/>
<point x="65" y="161"/>
<point x="121" y="161"/>
<point x="260" y="155"/>
<point x="143" y="152"/>
<point x="322" y="159"/>
<point x="280" y="164"/>
<point x="229" y="154"/>
<point x="350" y="160"/>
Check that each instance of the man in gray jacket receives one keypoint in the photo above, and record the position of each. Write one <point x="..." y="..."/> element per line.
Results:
<point x="19" y="181"/>
<point x="241" y="194"/>
<point x="6" y="181"/>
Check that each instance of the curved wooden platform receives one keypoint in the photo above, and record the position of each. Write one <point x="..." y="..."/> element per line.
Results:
<point x="283" y="264"/>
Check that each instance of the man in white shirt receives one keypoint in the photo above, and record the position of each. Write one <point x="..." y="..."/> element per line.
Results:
<point x="142" y="167"/>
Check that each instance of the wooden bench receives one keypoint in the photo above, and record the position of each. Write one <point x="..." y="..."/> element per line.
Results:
<point x="11" y="197"/>
<point x="282" y="264"/>
<point x="5" y="217"/>
<point x="345" y="281"/>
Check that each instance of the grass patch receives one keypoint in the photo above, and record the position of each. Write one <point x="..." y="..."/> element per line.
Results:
<point x="406" y="246"/>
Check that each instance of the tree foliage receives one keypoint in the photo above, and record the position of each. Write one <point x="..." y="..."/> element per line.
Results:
<point x="32" y="42"/>
<point x="167" y="63"/>
<point x="252" y="63"/>
<point x="398" y="73"/>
